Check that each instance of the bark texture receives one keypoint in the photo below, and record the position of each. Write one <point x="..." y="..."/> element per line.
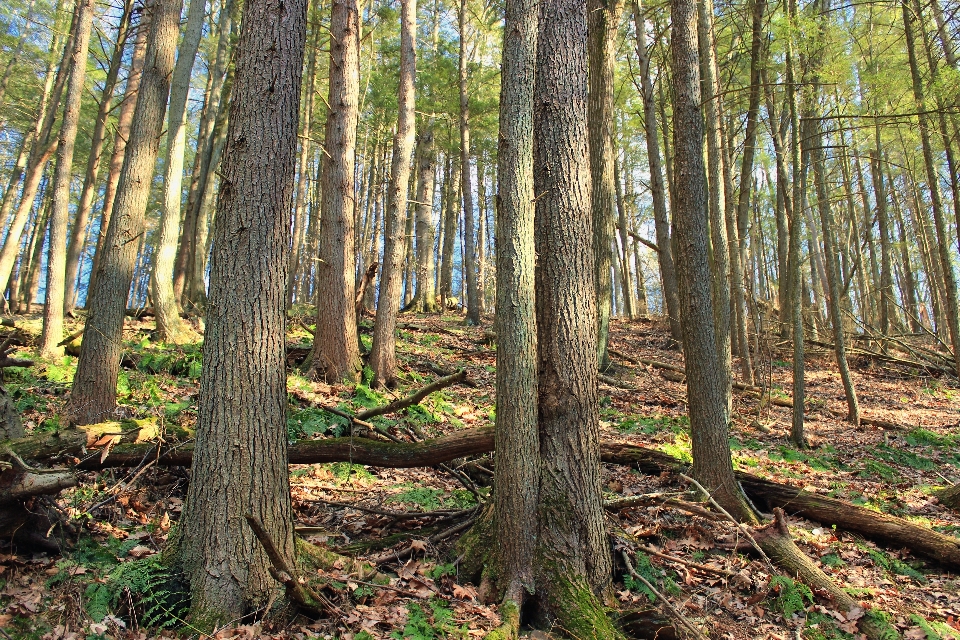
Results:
<point x="239" y="460"/>
<point x="94" y="394"/>
<point x="336" y="352"/>
<point x="383" y="354"/>
<point x="573" y="563"/>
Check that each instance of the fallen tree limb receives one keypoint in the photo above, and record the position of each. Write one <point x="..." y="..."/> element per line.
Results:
<point x="414" y="398"/>
<point x="766" y="494"/>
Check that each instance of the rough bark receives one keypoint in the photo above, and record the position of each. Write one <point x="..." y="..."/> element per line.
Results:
<point x="336" y="352"/>
<point x="383" y="356"/>
<point x="573" y="563"/>
<point x="52" y="332"/>
<point x="426" y="265"/>
<point x="94" y="392"/>
<point x="238" y="467"/>
<point x="517" y="467"/>
<point x="452" y="179"/>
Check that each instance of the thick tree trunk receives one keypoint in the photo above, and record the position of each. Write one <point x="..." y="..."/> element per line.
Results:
<point x="517" y="469"/>
<point x="573" y="563"/>
<point x="383" y="356"/>
<point x="52" y="332"/>
<point x="336" y="353"/>
<point x="661" y="216"/>
<point x="469" y="261"/>
<point x="94" y="393"/>
<point x="169" y="325"/>
<point x="238" y="467"/>
<point x="603" y="18"/>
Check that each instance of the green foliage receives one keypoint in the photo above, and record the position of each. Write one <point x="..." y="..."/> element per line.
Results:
<point x="367" y="397"/>
<point x="177" y="360"/>
<point x="653" y="424"/>
<point x="822" y="627"/>
<point x="304" y="423"/>
<point x="161" y="594"/>
<point x="343" y="470"/>
<point x="653" y="574"/>
<point x="681" y="447"/>
<point x="875" y="468"/>
<point x="924" y="437"/>
<point x="832" y="560"/>
<point x="427" y="623"/>
<point x="431" y="499"/>
<point x="894" y="565"/>
<point x="905" y="458"/>
<point x="792" y="596"/>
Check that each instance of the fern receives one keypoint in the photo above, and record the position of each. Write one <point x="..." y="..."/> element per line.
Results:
<point x="792" y="596"/>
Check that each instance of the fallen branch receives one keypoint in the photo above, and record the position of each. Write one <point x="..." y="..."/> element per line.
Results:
<point x="679" y="617"/>
<point x="414" y="398"/>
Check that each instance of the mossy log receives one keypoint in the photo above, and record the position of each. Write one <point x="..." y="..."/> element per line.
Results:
<point x="895" y="531"/>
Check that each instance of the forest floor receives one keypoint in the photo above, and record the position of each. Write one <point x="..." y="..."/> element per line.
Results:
<point x="92" y="589"/>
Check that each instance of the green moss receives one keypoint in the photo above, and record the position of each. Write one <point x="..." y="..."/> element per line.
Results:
<point x="578" y="611"/>
<point x="510" y="627"/>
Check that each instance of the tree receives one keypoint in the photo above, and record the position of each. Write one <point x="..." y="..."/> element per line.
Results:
<point x="239" y="463"/>
<point x="94" y="393"/>
<point x="466" y="180"/>
<point x="169" y="325"/>
<point x="59" y="213"/>
<point x="604" y="19"/>
<point x="336" y="352"/>
<point x="383" y="356"/>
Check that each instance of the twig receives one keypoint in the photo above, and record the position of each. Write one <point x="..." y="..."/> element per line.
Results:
<point x="739" y="525"/>
<point x="437" y="537"/>
<point x="396" y="515"/>
<point x="415" y="398"/>
<point x="689" y="563"/>
<point x="679" y="617"/>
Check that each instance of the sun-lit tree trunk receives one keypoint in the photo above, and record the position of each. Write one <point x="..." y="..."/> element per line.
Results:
<point x="78" y="234"/>
<point x="426" y="266"/>
<point x="466" y="181"/>
<point x="94" y="393"/>
<point x="30" y="287"/>
<point x="623" y="232"/>
<point x="55" y="293"/>
<point x="124" y="120"/>
<point x="170" y="327"/>
<point x="383" y="356"/>
<point x="243" y="391"/>
<point x="661" y="216"/>
<point x="449" y="232"/>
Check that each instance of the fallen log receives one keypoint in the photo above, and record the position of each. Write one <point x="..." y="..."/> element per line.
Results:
<point x="766" y="494"/>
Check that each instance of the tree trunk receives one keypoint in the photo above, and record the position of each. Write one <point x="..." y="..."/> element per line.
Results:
<point x="661" y="216"/>
<point x="624" y="244"/>
<point x="94" y="393"/>
<point x="383" y="356"/>
<point x="34" y="253"/>
<point x="708" y="379"/>
<point x="78" y="235"/>
<point x="603" y="17"/>
<point x="517" y="468"/>
<point x="52" y="332"/>
<point x="336" y="355"/>
<point x="426" y="266"/>
<point x="124" y="120"/>
<point x="452" y="176"/>
<point x="170" y="327"/>
<point x="243" y="394"/>
<point x="466" y="189"/>
<point x="572" y="561"/>
<point x="943" y="239"/>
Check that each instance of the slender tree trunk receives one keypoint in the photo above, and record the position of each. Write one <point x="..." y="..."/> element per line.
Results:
<point x="94" y="393"/>
<point x="426" y="267"/>
<point x="624" y="238"/>
<point x="661" y="216"/>
<point x="603" y="17"/>
<point x="124" y="121"/>
<point x="383" y="356"/>
<point x="78" y="234"/>
<point x="910" y="286"/>
<point x="449" y="232"/>
<point x="943" y="239"/>
<point x="52" y="332"/>
<point x="709" y="413"/>
<point x="466" y="181"/>
<point x="336" y="355"/>
<point x="166" y="305"/>
<point x="34" y="251"/>
<point x="573" y="563"/>
<point x="243" y="347"/>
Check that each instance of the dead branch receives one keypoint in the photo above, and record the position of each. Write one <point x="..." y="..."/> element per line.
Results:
<point x="414" y="398"/>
